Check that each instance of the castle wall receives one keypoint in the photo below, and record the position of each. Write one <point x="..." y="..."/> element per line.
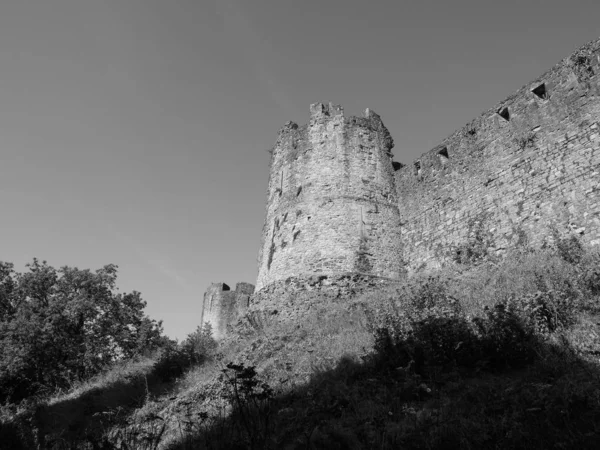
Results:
<point x="332" y="204"/>
<point x="222" y="306"/>
<point x="529" y="164"/>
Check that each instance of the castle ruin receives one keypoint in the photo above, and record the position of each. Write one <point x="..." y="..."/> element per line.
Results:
<point x="332" y="205"/>
<point x="517" y="175"/>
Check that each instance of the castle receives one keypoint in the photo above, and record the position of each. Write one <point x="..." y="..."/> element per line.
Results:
<point x="517" y="175"/>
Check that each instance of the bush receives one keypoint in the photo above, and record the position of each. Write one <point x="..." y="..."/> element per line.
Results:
<point x="589" y="275"/>
<point x="569" y="248"/>
<point x="503" y="339"/>
<point x="200" y="344"/>
<point x="549" y="311"/>
<point x="175" y="358"/>
<point x="250" y="399"/>
<point x="428" y="330"/>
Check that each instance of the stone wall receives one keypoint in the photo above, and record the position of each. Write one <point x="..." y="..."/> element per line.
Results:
<point x="222" y="306"/>
<point x="332" y="204"/>
<point x="528" y="165"/>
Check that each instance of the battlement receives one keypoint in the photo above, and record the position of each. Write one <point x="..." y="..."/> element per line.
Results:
<point x="524" y="167"/>
<point x="319" y="111"/>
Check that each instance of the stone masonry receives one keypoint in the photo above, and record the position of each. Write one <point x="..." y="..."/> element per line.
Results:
<point x="221" y="306"/>
<point x="332" y="205"/>
<point x="528" y="165"/>
<point x="338" y="207"/>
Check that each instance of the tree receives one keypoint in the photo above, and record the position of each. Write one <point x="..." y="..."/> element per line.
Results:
<point x="57" y="326"/>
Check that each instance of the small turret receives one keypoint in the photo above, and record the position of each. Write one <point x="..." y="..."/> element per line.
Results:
<point x="222" y="306"/>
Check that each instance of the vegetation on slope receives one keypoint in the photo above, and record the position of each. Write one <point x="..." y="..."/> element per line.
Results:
<point x="483" y="354"/>
<point x="58" y="326"/>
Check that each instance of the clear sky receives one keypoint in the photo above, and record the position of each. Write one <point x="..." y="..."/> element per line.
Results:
<point x="135" y="132"/>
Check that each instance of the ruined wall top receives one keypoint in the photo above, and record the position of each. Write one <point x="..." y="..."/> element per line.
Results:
<point x="331" y="202"/>
<point x="523" y="168"/>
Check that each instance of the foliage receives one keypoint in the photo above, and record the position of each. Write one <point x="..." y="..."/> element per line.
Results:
<point x="426" y="367"/>
<point x="175" y="358"/>
<point x="429" y="330"/>
<point x="251" y="402"/>
<point x="525" y="140"/>
<point x="59" y="326"/>
<point x="200" y="344"/>
<point x="475" y="248"/>
<point x="589" y="273"/>
<point x="569" y="248"/>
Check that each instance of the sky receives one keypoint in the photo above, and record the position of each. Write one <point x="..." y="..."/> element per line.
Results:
<point x="135" y="132"/>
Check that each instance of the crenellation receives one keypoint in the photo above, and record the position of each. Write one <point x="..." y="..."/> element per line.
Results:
<point x="544" y="151"/>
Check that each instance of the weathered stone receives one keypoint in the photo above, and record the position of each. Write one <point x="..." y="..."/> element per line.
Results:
<point x="222" y="306"/>
<point x="332" y="205"/>
<point x="499" y="173"/>
<point x="342" y="217"/>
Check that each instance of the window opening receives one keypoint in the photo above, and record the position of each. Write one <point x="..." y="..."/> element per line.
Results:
<point x="541" y="92"/>
<point x="281" y="186"/>
<point x="397" y="165"/>
<point x="443" y="153"/>
<point x="504" y="113"/>
<point x="417" y="168"/>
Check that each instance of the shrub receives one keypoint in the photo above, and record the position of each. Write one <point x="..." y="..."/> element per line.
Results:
<point x="548" y="311"/>
<point x="589" y="275"/>
<point x="175" y="358"/>
<point x="171" y="362"/>
<point x="428" y="330"/>
<point x="200" y="344"/>
<point x="251" y="400"/>
<point x="504" y="340"/>
<point x="569" y="247"/>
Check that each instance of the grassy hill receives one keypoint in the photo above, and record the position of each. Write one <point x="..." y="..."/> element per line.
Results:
<point x="483" y="354"/>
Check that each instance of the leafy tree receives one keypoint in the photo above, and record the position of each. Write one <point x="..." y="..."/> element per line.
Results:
<point x="200" y="344"/>
<point x="57" y="326"/>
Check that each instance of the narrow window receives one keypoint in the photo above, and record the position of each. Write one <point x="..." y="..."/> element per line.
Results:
<point x="417" y="168"/>
<point x="281" y="186"/>
<point x="504" y="113"/>
<point x="443" y="153"/>
<point x="541" y="92"/>
<point x="298" y="191"/>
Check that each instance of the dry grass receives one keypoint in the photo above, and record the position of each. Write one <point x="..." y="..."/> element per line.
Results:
<point x="332" y="390"/>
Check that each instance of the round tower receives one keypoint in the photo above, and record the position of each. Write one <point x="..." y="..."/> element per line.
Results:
<point x="332" y="206"/>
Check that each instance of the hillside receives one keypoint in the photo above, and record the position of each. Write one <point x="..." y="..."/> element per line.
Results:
<point x="483" y="354"/>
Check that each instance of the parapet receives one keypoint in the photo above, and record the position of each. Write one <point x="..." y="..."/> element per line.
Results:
<point x="322" y="110"/>
<point x="523" y="168"/>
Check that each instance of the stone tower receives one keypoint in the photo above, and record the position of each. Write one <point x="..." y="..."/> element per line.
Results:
<point x="221" y="306"/>
<point x="332" y="205"/>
